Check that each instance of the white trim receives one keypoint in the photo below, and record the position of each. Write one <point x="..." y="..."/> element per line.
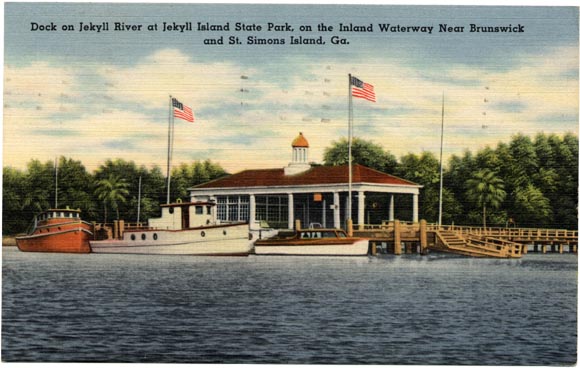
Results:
<point x="366" y="187"/>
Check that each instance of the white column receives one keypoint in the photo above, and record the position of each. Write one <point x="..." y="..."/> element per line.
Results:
<point x="290" y="211"/>
<point x="361" y="208"/>
<point x="392" y="208"/>
<point x="252" y="218"/>
<point x="336" y="205"/>
<point x="415" y="207"/>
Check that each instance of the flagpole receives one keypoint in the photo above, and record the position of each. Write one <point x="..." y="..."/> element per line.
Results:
<point x="350" y="123"/>
<point x="441" y="162"/>
<point x="169" y="140"/>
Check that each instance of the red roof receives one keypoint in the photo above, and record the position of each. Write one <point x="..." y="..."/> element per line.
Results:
<point x="315" y="176"/>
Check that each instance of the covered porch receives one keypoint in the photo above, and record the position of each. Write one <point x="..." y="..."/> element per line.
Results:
<point x="314" y="206"/>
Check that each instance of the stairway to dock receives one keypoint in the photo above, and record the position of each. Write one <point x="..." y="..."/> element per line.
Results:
<point x="475" y="245"/>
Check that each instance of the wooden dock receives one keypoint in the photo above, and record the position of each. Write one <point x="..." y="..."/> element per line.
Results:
<point x="396" y="237"/>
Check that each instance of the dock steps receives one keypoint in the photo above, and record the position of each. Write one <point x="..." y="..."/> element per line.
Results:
<point x="475" y="245"/>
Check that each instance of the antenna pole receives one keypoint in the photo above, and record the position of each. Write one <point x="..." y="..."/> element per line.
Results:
<point x="441" y="162"/>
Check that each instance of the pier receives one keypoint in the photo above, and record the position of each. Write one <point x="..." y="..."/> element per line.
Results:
<point x="396" y="237"/>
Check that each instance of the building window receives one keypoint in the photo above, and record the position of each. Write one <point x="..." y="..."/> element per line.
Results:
<point x="272" y="209"/>
<point x="233" y="208"/>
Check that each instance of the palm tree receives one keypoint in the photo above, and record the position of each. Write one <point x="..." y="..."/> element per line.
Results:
<point x="112" y="191"/>
<point x="486" y="188"/>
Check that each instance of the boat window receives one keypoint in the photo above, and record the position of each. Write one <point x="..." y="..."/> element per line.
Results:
<point x="341" y="234"/>
<point x="198" y="210"/>
<point x="305" y="235"/>
<point x="329" y="234"/>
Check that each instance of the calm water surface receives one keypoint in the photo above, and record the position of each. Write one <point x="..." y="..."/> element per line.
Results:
<point x="371" y="310"/>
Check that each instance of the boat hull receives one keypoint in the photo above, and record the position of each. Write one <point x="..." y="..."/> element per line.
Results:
<point x="207" y="241"/>
<point x="71" y="240"/>
<point x="324" y="247"/>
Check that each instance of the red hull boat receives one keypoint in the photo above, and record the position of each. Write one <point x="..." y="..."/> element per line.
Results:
<point x="59" y="231"/>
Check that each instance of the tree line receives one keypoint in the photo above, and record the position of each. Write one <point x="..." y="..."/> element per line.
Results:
<point x="109" y="193"/>
<point x="525" y="183"/>
<point x="528" y="182"/>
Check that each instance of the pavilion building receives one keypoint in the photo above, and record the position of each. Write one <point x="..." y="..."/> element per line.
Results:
<point x="313" y="194"/>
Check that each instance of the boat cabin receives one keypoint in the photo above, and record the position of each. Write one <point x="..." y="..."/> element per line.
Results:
<point x="312" y="234"/>
<point x="181" y="216"/>
<point x="57" y="216"/>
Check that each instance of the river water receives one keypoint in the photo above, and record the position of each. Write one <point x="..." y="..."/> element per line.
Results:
<point x="388" y="309"/>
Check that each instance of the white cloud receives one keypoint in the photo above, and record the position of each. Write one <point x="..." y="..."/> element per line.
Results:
<point x="46" y="112"/>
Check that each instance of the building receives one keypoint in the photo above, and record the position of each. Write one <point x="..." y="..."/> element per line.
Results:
<point x="315" y="195"/>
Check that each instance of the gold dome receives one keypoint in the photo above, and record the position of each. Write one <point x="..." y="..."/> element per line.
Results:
<point x="300" y="141"/>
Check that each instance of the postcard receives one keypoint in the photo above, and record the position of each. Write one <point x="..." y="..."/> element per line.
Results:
<point x="398" y="183"/>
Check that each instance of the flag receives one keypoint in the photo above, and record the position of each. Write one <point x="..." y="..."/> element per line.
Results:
<point x="361" y="89"/>
<point x="181" y="111"/>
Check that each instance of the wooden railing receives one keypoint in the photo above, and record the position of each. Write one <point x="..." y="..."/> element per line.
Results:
<point x="516" y="233"/>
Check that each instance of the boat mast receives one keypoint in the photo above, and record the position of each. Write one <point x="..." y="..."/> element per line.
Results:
<point x="139" y="202"/>
<point x="56" y="182"/>
<point x="441" y="162"/>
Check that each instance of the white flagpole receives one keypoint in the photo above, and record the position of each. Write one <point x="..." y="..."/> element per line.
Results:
<point x="169" y="148"/>
<point x="350" y="129"/>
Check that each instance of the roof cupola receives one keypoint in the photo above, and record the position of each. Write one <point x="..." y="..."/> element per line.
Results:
<point x="299" y="156"/>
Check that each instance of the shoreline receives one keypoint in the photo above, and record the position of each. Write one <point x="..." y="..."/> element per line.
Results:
<point x="8" y="241"/>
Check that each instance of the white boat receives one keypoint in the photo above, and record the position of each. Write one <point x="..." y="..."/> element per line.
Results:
<point x="312" y="242"/>
<point x="183" y="229"/>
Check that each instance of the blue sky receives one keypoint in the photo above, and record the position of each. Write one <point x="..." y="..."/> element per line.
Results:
<point x="93" y="96"/>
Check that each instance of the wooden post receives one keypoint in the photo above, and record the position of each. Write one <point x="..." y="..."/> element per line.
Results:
<point x="524" y="249"/>
<point x="116" y="229"/>
<point x="561" y="248"/>
<point x="544" y="246"/>
<point x="121" y="228"/>
<point x="374" y="248"/>
<point x="297" y="224"/>
<point x="423" y="236"/>
<point x="94" y="230"/>
<point x="349" y="229"/>
<point x="397" y="234"/>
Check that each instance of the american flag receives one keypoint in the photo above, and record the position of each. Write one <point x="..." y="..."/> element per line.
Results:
<point x="181" y="111"/>
<point x="361" y="89"/>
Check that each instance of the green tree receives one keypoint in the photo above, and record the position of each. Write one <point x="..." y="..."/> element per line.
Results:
<point x="423" y="169"/>
<point x="74" y="187"/>
<point x="186" y="176"/>
<point x="532" y="208"/>
<point x="111" y="191"/>
<point x="486" y="189"/>
<point x="364" y="152"/>
<point x="14" y="220"/>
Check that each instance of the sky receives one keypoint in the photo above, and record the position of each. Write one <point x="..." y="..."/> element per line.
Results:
<point x="93" y="96"/>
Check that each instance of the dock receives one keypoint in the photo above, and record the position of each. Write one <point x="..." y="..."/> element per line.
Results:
<point x="396" y="237"/>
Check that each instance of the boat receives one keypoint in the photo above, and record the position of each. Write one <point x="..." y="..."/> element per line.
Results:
<point x="59" y="231"/>
<point x="183" y="229"/>
<point x="312" y="242"/>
